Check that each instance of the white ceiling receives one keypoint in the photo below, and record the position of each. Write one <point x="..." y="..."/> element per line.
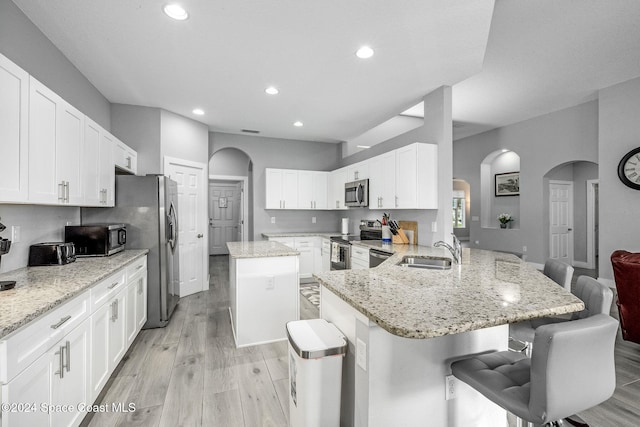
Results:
<point x="523" y="59"/>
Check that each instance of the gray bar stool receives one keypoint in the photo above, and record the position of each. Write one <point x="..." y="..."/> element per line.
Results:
<point x="571" y="369"/>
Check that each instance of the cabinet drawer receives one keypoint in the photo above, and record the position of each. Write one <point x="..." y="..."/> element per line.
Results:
<point x="360" y="253"/>
<point x="136" y="267"/>
<point x="24" y="346"/>
<point x="104" y="290"/>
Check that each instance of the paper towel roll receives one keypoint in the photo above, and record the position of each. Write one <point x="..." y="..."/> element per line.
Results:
<point x="345" y="226"/>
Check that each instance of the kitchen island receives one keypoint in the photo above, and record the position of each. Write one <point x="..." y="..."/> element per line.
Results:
<point x="263" y="291"/>
<point x="406" y="325"/>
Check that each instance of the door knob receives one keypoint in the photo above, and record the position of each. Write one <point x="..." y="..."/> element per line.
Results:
<point x="200" y="236"/>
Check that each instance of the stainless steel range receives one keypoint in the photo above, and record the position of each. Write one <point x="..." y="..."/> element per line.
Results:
<point x="341" y="245"/>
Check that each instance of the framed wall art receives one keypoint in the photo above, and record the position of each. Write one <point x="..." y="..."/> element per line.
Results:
<point x="507" y="184"/>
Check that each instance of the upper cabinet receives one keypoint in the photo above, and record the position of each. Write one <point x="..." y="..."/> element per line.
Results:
<point x="382" y="181"/>
<point x="358" y="171"/>
<point x="125" y="157"/>
<point x="52" y="153"/>
<point x="417" y="177"/>
<point x="312" y="189"/>
<point x="14" y="102"/>
<point x="282" y="189"/>
<point x="337" y="179"/>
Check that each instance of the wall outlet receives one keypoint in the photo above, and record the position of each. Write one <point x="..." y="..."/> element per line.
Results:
<point x="313" y="220"/>
<point x="15" y="233"/>
<point x="434" y="227"/>
<point x="273" y="220"/>
<point x="449" y="387"/>
<point x="477" y="242"/>
<point x="475" y="218"/>
<point x="524" y="249"/>
<point x="361" y="354"/>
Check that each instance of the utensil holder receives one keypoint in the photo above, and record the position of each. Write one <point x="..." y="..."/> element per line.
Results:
<point x="400" y="238"/>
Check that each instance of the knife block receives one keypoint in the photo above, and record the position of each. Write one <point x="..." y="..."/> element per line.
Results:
<point x="400" y="238"/>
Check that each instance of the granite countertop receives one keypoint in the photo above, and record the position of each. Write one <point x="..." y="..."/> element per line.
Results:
<point x="259" y="249"/>
<point x="326" y="234"/>
<point x="40" y="289"/>
<point x="487" y="289"/>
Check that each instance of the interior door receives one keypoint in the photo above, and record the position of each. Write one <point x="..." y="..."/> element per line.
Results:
<point x="225" y="216"/>
<point x="192" y="225"/>
<point x="561" y="221"/>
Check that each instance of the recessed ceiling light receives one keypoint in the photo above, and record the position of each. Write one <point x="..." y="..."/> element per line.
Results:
<point x="364" y="52"/>
<point x="272" y="90"/>
<point x="363" y="146"/>
<point x="176" y="12"/>
<point x="298" y="124"/>
<point x="198" y="111"/>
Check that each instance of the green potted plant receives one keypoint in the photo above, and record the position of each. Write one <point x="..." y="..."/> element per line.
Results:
<point x="504" y="219"/>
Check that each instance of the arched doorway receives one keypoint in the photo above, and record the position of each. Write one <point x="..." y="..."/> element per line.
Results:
<point x="230" y="201"/>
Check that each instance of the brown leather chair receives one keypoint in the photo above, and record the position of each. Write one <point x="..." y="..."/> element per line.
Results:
<point x="626" y="271"/>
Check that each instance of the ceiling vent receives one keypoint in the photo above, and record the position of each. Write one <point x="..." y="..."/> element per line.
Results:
<point x="250" y="131"/>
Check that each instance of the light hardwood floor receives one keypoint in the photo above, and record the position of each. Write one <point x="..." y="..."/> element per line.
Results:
<point x="191" y="374"/>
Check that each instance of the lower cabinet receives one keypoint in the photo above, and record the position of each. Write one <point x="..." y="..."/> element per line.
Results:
<point x="56" y="365"/>
<point x="310" y="248"/>
<point x="359" y="258"/>
<point x="50" y="390"/>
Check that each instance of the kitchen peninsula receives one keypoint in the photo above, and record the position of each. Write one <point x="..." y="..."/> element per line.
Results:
<point x="263" y="291"/>
<point x="406" y="325"/>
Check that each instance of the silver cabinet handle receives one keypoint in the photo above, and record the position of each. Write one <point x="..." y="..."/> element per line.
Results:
<point x="200" y="236"/>
<point x="114" y="310"/>
<point x="60" y="354"/>
<point x="129" y="162"/>
<point x="61" y="191"/>
<point x="140" y="266"/>
<point x="396" y="201"/>
<point x="61" y="322"/>
<point x="68" y="348"/>
<point x="113" y="285"/>
<point x="140" y="286"/>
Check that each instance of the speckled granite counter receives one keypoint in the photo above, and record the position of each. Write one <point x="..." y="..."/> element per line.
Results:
<point x="302" y="234"/>
<point x="40" y="289"/>
<point x="487" y="289"/>
<point x="259" y="249"/>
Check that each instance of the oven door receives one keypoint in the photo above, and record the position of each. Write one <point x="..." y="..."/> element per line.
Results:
<point x="340" y="255"/>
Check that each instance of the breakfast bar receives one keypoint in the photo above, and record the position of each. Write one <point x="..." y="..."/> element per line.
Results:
<point x="406" y="325"/>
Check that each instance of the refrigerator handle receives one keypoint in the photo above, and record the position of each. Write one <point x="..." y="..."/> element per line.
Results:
<point x="173" y="226"/>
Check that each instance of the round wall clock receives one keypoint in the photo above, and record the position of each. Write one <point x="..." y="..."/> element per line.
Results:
<point x="629" y="169"/>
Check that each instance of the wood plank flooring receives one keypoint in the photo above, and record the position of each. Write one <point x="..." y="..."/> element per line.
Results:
<point x="191" y="374"/>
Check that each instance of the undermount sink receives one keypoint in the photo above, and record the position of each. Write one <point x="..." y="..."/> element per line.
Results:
<point x="429" y="263"/>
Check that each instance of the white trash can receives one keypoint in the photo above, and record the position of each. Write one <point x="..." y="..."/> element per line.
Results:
<point x="316" y="350"/>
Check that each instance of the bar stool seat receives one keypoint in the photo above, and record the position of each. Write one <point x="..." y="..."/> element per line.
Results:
<point x="571" y="369"/>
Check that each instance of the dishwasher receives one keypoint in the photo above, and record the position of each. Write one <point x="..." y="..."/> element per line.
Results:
<point x="377" y="257"/>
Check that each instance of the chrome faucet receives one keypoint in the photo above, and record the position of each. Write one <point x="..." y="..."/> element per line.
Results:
<point x="456" y="250"/>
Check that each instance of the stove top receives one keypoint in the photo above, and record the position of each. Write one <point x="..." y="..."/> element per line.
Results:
<point x="346" y="238"/>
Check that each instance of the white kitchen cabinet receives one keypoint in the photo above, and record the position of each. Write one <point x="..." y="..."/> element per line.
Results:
<point x="359" y="257"/>
<point x="309" y="248"/>
<point x="325" y="253"/>
<point x="57" y="376"/>
<point x="117" y="329"/>
<point x="136" y="311"/>
<point x="125" y="157"/>
<point x="337" y="180"/>
<point x="417" y="176"/>
<point x="99" y="372"/>
<point x="56" y="138"/>
<point x="14" y="110"/>
<point x="312" y="189"/>
<point x="140" y="284"/>
<point x="358" y="171"/>
<point x="382" y="181"/>
<point x="98" y="169"/>
<point x="281" y="188"/>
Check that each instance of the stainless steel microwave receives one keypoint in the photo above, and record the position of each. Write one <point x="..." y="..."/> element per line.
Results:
<point x="356" y="193"/>
<point x="96" y="239"/>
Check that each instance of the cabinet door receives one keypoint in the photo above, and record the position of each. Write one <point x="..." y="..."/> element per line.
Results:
<point x="117" y="329"/>
<point x="406" y="177"/>
<point x="382" y="181"/>
<point x="69" y="384"/>
<point x="320" y="190"/>
<point x="273" y="178"/>
<point x="69" y="141"/>
<point x="14" y="114"/>
<point x="305" y="190"/>
<point x="326" y="255"/>
<point x="141" y="300"/>
<point x="337" y="180"/>
<point x="91" y="164"/>
<point x="125" y="157"/>
<point x="358" y="171"/>
<point x="131" y="329"/>
<point x="32" y="385"/>
<point x="100" y="328"/>
<point x="305" y="247"/>
<point x="43" y="123"/>
<point x="107" y="169"/>
<point x="290" y="189"/>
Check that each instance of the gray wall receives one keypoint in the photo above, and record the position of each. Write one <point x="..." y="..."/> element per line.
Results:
<point x="140" y="128"/>
<point x="183" y="138"/>
<point x="619" y="128"/>
<point x="23" y="43"/>
<point x="229" y="161"/>
<point x="285" y="154"/>
<point x="542" y="143"/>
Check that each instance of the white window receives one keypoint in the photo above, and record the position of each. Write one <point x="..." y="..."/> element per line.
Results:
<point x="459" y="204"/>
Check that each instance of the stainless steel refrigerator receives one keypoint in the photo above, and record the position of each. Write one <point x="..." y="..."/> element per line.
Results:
<point x="148" y="207"/>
